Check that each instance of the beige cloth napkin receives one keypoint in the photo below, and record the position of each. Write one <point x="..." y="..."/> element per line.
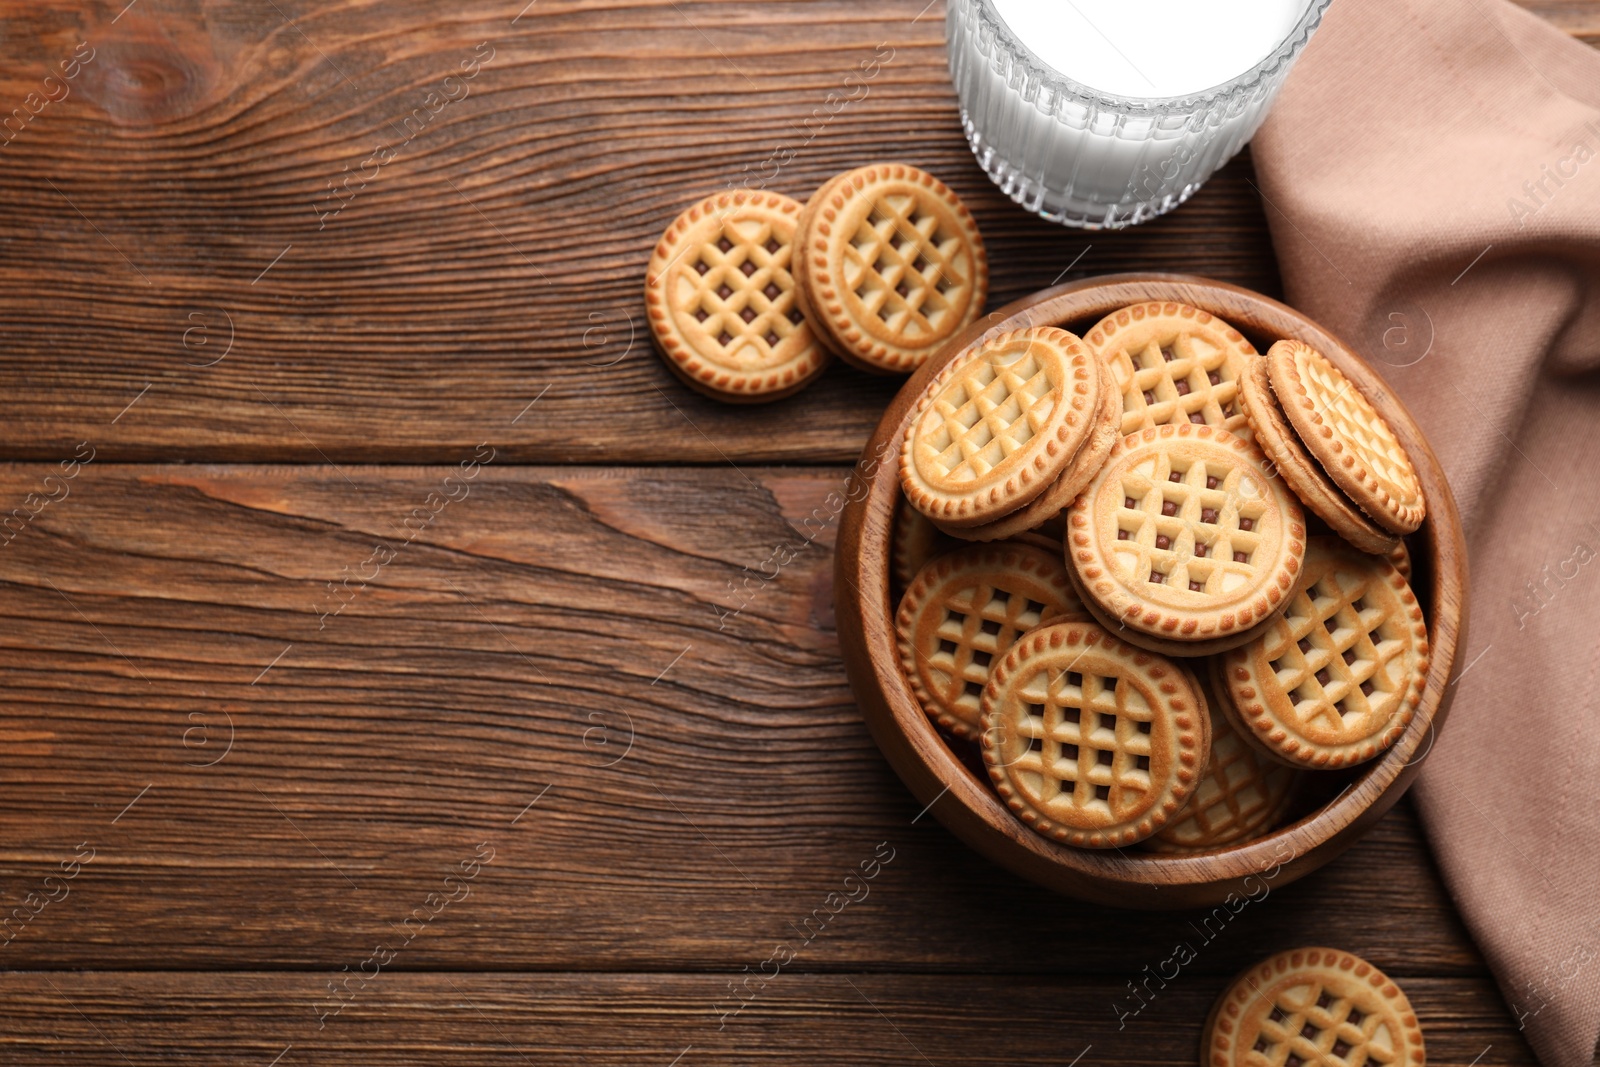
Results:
<point x="1432" y="179"/>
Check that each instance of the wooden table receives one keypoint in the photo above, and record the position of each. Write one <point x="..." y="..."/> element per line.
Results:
<point x="375" y="687"/>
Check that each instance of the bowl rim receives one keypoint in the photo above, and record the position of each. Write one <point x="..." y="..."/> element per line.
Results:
<point x="933" y="770"/>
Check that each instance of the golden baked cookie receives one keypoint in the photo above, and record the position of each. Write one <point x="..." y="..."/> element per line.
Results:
<point x="1241" y="795"/>
<point x="913" y="542"/>
<point x="894" y="265"/>
<point x="997" y="424"/>
<point x="1185" y="536"/>
<point x="720" y="299"/>
<point x="1174" y="364"/>
<point x="1400" y="557"/>
<point x="1091" y="741"/>
<point x="960" y="615"/>
<point x="1039" y="539"/>
<point x="1174" y="649"/>
<point x="1278" y="441"/>
<point x="1354" y="444"/>
<point x="1312" y="1007"/>
<point x="1336" y="678"/>
<point x="1083" y="466"/>
<point x="802" y="291"/>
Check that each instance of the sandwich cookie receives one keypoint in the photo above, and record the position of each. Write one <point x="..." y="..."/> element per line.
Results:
<point x="962" y="612"/>
<point x="996" y="426"/>
<point x="1337" y="677"/>
<point x="1241" y="795"/>
<point x="720" y="299"/>
<point x="1174" y="364"/>
<point x="1048" y="506"/>
<point x="1313" y="1007"/>
<point x="1278" y="441"/>
<point x="1091" y="741"/>
<point x="1184" y="541"/>
<point x="894" y="266"/>
<point x="1340" y="427"/>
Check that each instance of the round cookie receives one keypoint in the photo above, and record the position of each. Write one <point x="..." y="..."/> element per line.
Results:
<point x="996" y="426"/>
<point x="960" y="615"/>
<point x="1185" y="536"/>
<point x="1277" y="440"/>
<point x="894" y="266"/>
<point x="1336" y="678"/>
<point x="1319" y="1007"/>
<point x="720" y="299"/>
<point x="1090" y="741"/>
<point x="1352" y="442"/>
<point x="1241" y="795"/>
<point x="1083" y="466"/>
<point x="1174" y="364"/>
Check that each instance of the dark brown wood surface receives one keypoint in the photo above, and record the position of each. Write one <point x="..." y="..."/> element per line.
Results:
<point x="231" y="795"/>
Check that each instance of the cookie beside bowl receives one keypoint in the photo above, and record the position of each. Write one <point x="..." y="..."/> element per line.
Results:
<point x="966" y="804"/>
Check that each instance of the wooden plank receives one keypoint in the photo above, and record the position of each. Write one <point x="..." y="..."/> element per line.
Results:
<point x="657" y="1019"/>
<point x="265" y="782"/>
<point x="178" y="199"/>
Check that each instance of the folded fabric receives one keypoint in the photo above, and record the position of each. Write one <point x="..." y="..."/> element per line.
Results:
<point x="1431" y="175"/>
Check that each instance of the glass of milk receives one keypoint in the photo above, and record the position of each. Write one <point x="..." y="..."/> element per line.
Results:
<point x="1104" y="113"/>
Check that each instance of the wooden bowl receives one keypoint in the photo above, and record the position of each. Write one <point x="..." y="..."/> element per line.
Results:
<point x="959" y="795"/>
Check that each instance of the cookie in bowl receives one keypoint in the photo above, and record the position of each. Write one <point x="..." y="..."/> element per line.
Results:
<point x="1185" y="542"/>
<point x="960" y="615"/>
<point x="1337" y="677"/>
<point x="1091" y="741"/>
<point x="995" y="428"/>
<point x="1174" y="363"/>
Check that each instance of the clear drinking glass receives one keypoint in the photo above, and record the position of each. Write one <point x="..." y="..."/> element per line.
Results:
<point x="1082" y="157"/>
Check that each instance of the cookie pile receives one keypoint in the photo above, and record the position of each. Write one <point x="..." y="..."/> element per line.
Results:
<point x="1113" y="588"/>
<point x="749" y="293"/>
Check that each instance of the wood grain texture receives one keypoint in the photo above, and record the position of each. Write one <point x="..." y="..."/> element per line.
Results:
<point x="650" y="1019"/>
<point x="500" y="252"/>
<point x="269" y="794"/>
<point x="505" y="650"/>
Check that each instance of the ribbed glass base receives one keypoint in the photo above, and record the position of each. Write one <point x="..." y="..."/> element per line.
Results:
<point x="1062" y="206"/>
<point x="1083" y="158"/>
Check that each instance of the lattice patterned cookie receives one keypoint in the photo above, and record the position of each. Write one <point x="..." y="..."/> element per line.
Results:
<point x="894" y="265"/>
<point x="997" y="424"/>
<point x="1184" y="536"/>
<point x="962" y="612"/>
<point x="1083" y="466"/>
<point x="1174" y="364"/>
<point x="1313" y="1007"/>
<point x="1340" y="427"/>
<point x="1241" y="795"/>
<point x="720" y="299"/>
<point x="1336" y="679"/>
<point x="1278" y="441"/>
<point x="1091" y="741"/>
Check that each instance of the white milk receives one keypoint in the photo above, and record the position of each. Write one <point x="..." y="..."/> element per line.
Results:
<point x="1107" y="112"/>
<point x="1154" y="47"/>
